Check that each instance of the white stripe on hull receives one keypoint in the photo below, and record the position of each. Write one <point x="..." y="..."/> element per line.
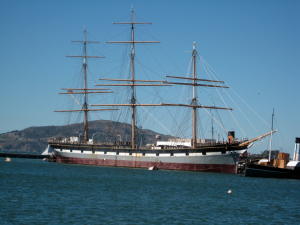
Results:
<point x="192" y="158"/>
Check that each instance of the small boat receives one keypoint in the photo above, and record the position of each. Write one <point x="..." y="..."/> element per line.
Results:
<point x="289" y="170"/>
<point x="276" y="168"/>
<point x="7" y="159"/>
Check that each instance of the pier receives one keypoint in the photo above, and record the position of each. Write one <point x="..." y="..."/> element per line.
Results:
<point x="23" y="155"/>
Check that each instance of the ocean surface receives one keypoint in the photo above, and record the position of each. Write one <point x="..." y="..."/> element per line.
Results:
<point x="36" y="192"/>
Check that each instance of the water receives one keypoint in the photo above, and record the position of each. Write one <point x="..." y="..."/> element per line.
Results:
<point x="37" y="192"/>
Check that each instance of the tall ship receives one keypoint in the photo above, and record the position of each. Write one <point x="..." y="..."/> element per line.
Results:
<point x="193" y="154"/>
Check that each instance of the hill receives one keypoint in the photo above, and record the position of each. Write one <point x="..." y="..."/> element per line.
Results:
<point x="34" y="139"/>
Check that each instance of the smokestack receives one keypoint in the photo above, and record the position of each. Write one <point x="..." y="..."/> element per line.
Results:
<point x="231" y="136"/>
<point x="297" y="150"/>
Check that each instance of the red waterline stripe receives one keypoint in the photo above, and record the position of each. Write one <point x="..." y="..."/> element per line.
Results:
<point x="221" y="168"/>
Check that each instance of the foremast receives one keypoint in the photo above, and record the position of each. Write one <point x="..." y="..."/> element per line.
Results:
<point x="194" y="101"/>
<point x="85" y="91"/>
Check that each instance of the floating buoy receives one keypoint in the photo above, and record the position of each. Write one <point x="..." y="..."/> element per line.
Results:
<point x="44" y="159"/>
<point x="153" y="168"/>
<point x="7" y="159"/>
<point x="229" y="192"/>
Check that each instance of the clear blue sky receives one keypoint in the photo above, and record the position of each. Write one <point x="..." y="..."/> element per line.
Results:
<point x="253" y="45"/>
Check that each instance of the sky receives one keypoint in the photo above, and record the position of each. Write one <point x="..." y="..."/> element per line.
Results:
<point x="253" y="45"/>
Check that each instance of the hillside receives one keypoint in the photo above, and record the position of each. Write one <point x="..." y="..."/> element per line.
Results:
<point x="34" y="139"/>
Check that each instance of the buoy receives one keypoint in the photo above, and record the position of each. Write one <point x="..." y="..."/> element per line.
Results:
<point x="7" y="159"/>
<point x="44" y="159"/>
<point x="153" y="168"/>
<point x="229" y="192"/>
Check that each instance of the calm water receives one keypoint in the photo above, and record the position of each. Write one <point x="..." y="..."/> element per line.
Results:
<point x="37" y="192"/>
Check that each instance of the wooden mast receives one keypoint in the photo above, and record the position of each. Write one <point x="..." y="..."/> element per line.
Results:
<point x="194" y="101"/>
<point x="86" y="136"/>
<point x="85" y="89"/>
<point x="133" y="99"/>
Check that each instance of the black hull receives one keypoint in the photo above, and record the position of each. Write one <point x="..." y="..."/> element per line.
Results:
<point x="254" y="170"/>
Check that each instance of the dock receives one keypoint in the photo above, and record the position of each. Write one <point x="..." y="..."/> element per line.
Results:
<point x="23" y="155"/>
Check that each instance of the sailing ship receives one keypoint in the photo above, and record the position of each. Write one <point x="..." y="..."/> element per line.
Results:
<point x="212" y="156"/>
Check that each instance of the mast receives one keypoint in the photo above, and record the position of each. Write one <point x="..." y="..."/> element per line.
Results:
<point x="85" y="91"/>
<point x="86" y="136"/>
<point x="194" y="101"/>
<point x="133" y="99"/>
<point x="271" y="138"/>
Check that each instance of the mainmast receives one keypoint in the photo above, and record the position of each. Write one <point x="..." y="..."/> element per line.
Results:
<point x="133" y="99"/>
<point x="85" y="95"/>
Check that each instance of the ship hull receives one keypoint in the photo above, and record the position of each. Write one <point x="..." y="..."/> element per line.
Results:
<point x="209" y="159"/>
<point x="222" y="168"/>
<point x="254" y="170"/>
<point x="261" y="172"/>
